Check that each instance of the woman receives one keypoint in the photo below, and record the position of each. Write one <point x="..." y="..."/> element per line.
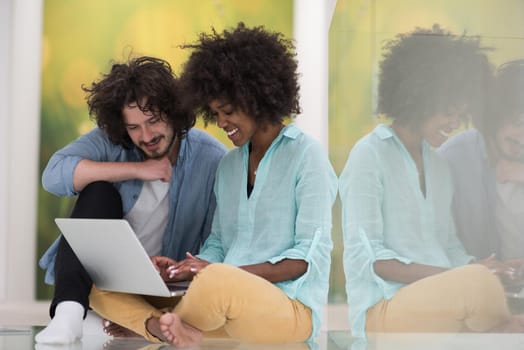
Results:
<point x="262" y="275"/>
<point x="405" y="268"/>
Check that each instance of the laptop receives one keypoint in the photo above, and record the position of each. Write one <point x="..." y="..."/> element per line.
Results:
<point x="114" y="257"/>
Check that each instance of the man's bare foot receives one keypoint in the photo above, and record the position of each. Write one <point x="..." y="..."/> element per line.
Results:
<point x="118" y="331"/>
<point x="177" y="332"/>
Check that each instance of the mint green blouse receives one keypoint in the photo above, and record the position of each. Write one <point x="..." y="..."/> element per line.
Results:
<point x="386" y="216"/>
<point x="287" y="215"/>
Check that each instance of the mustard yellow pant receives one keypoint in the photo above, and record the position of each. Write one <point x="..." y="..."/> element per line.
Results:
<point x="464" y="299"/>
<point x="222" y="301"/>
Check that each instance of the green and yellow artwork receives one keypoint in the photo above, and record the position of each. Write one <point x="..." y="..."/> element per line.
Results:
<point x="81" y="39"/>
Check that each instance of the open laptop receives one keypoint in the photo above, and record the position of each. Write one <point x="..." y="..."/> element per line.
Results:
<point x="114" y="257"/>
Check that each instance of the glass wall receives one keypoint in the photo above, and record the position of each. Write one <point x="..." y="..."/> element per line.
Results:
<point x="358" y="33"/>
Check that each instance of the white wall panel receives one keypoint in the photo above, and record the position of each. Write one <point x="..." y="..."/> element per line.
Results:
<point x="22" y="147"/>
<point x="310" y="30"/>
<point x="5" y="41"/>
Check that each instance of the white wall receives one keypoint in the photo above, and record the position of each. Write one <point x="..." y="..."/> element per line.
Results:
<point x="5" y="36"/>
<point x="20" y="125"/>
<point x="311" y="31"/>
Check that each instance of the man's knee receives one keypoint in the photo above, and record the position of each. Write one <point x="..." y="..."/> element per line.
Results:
<point x="99" y="199"/>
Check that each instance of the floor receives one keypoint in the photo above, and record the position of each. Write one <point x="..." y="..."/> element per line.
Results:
<point x="22" y="338"/>
<point x="19" y="324"/>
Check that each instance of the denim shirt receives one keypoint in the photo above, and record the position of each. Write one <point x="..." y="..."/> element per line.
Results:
<point x="287" y="215"/>
<point x="475" y="192"/>
<point x="191" y="197"/>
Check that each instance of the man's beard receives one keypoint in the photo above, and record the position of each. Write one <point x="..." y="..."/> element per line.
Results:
<point x="161" y="155"/>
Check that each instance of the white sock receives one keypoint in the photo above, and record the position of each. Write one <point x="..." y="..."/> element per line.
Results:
<point x="65" y="327"/>
<point x="93" y="325"/>
<point x="79" y="345"/>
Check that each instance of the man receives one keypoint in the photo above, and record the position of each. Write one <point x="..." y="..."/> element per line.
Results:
<point x="143" y="163"/>
<point x="487" y="164"/>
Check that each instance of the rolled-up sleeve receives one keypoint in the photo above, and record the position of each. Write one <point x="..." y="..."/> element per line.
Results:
<point x="57" y="177"/>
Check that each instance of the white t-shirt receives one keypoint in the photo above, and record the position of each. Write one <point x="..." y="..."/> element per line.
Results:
<point x="510" y="219"/>
<point x="148" y="217"/>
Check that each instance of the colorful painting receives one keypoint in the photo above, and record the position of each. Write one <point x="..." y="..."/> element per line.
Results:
<point x="82" y="38"/>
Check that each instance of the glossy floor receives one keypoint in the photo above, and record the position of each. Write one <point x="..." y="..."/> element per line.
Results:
<point x="23" y="338"/>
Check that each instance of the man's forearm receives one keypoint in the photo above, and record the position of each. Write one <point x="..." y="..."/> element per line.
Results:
<point x="88" y="171"/>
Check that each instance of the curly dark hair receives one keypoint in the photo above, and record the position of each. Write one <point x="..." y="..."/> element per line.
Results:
<point x="506" y="102"/>
<point x="431" y="71"/>
<point x="252" y="69"/>
<point x="147" y="81"/>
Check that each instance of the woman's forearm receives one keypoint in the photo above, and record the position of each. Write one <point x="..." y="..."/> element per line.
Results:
<point x="394" y="270"/>
<point x="284" y="270"/>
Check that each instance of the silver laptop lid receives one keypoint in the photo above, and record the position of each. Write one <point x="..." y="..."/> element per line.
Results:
<point x="113" y="256"/>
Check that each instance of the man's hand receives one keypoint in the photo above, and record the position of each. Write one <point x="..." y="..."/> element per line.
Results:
<point x="155" y="169"/>
<point x="162" y="264"/>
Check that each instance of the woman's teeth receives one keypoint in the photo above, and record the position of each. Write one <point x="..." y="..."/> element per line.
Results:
<point x="231" y="132"/>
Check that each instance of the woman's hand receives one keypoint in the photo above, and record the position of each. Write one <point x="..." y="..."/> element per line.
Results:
<point x="515" y="275"/>
<point x="511" y="272"/>
<point x="187" y="268"/>
<point x="162" y="264"/>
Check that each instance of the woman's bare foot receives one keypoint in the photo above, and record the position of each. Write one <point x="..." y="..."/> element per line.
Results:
<point x="179" y="333"/>
<point x="515" y="324"/>
<point x="118" y="331"/>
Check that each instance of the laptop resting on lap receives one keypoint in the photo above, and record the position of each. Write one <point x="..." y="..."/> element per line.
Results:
<point x="114" y="257"/>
